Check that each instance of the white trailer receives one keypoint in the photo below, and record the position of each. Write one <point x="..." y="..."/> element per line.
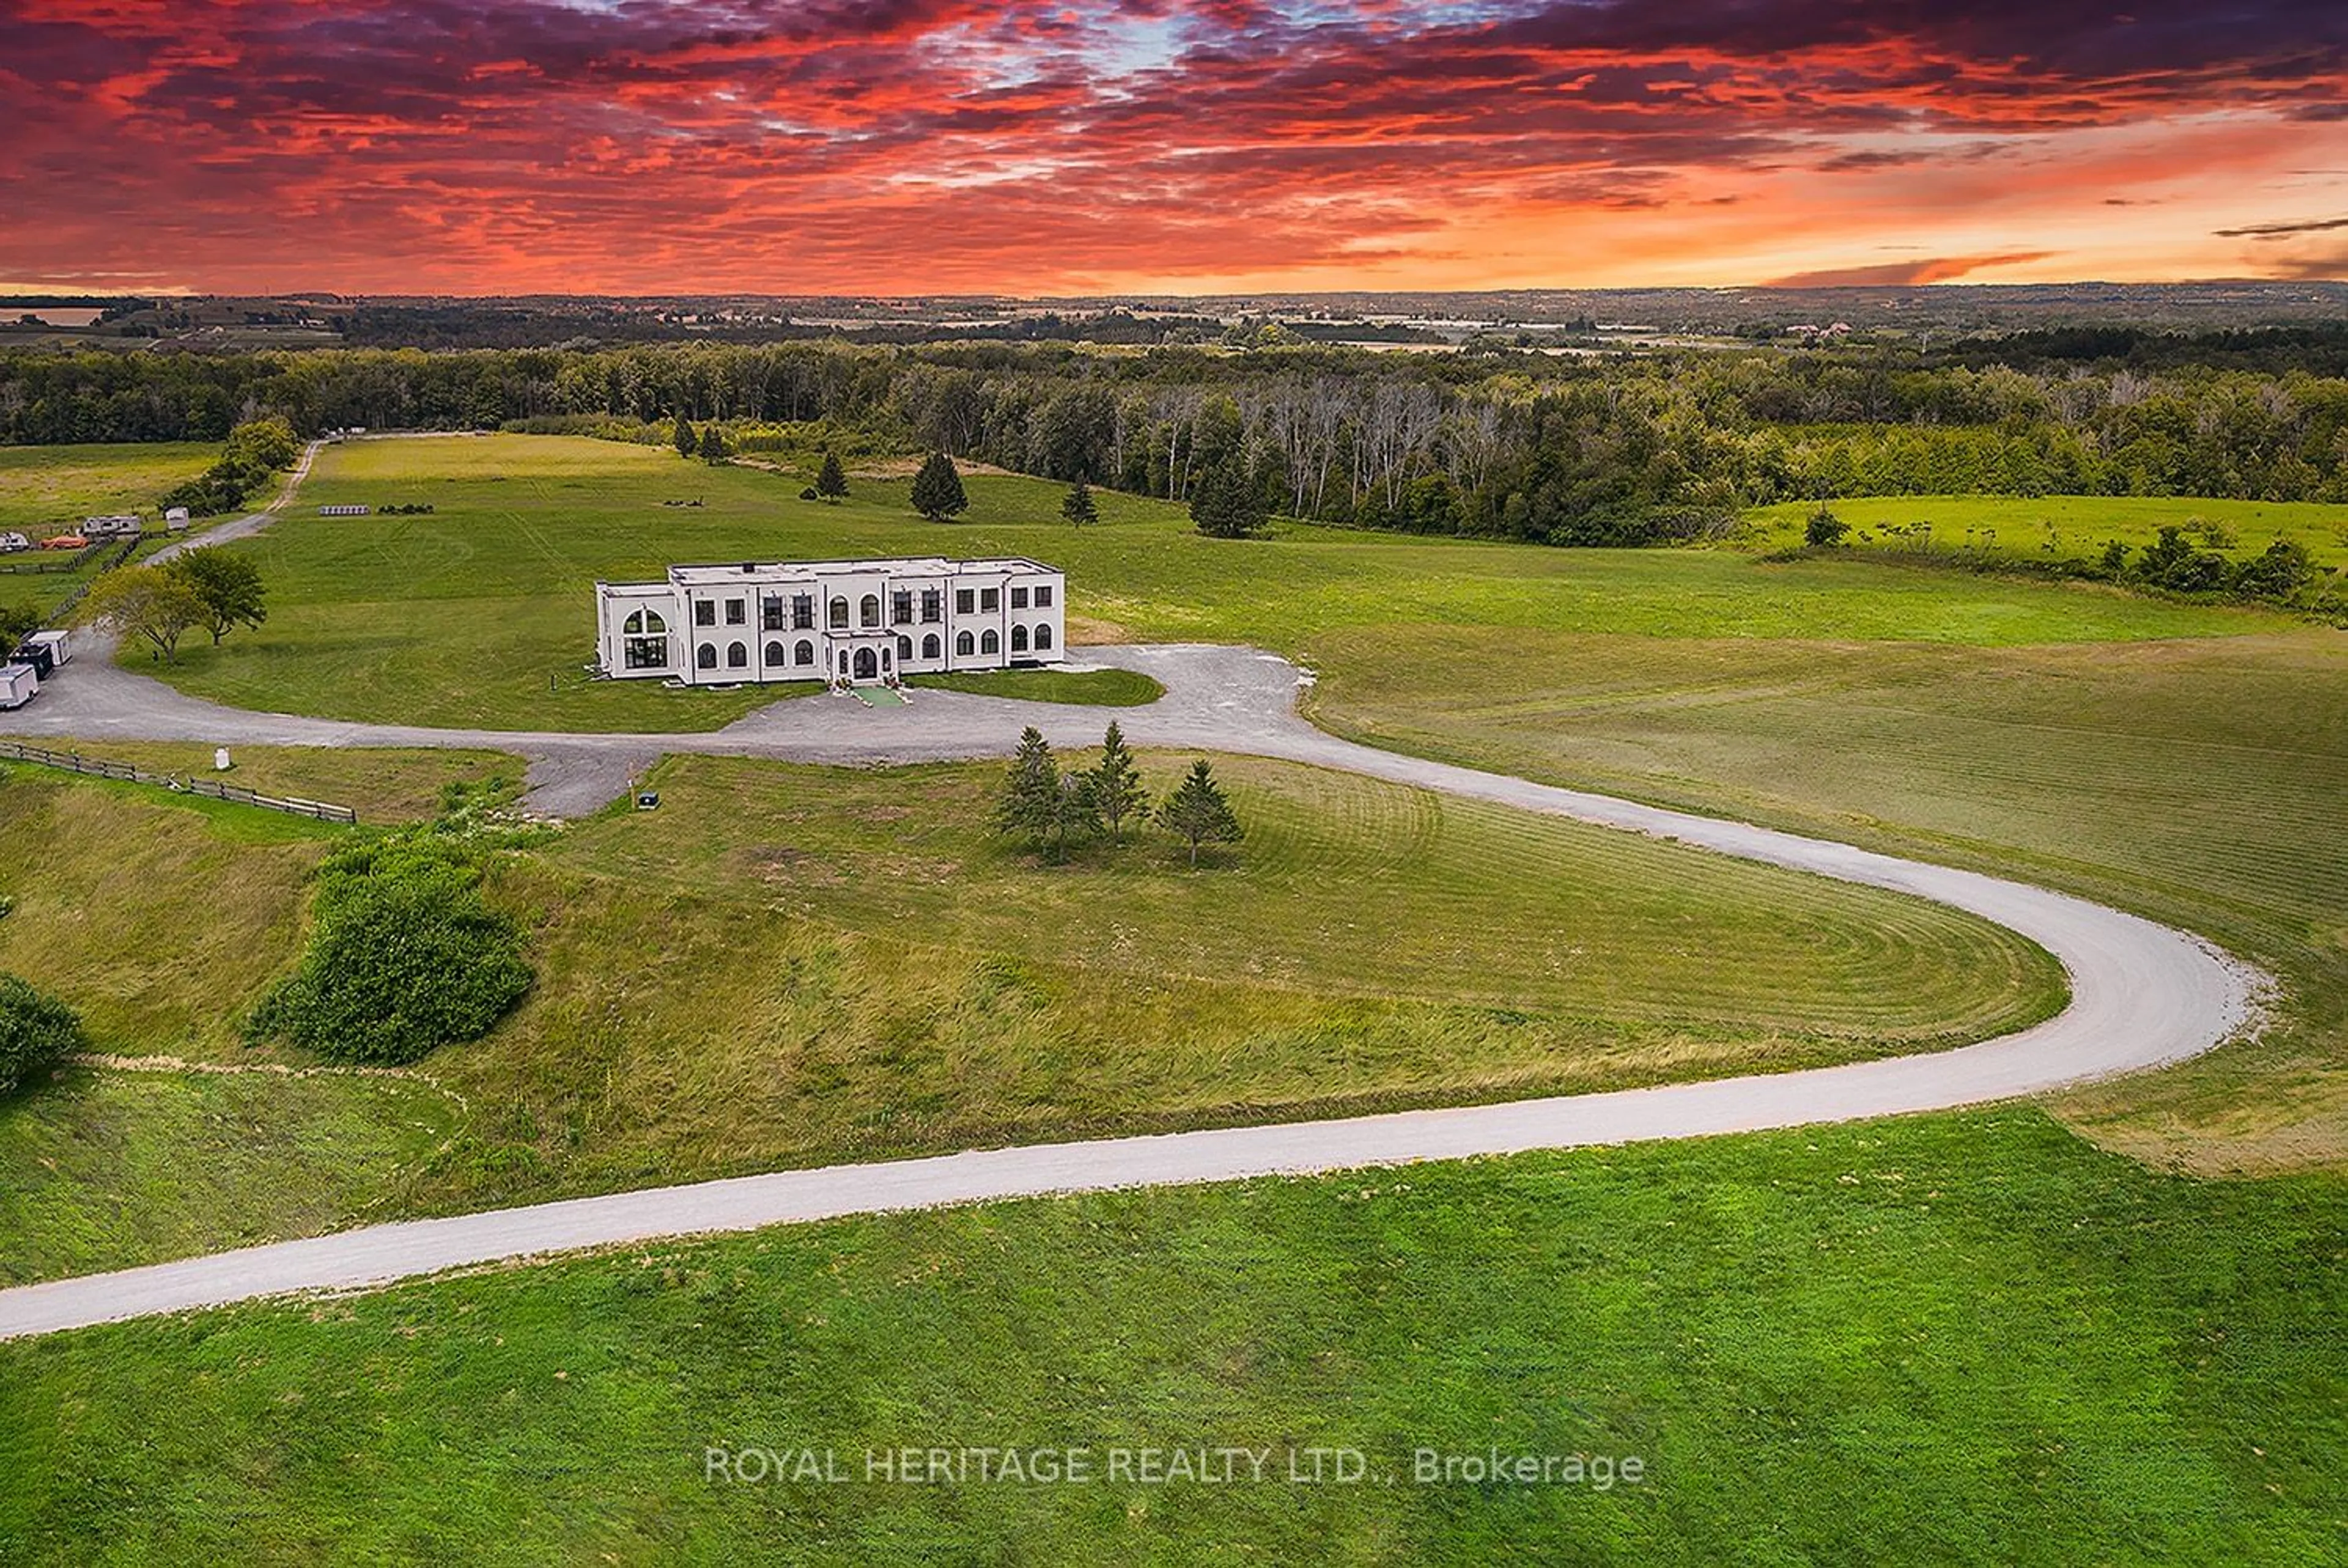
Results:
<point x="60" y="649"/>
<point x="17" y="685"/>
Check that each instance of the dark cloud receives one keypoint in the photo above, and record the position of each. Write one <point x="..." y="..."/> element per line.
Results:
<point x="2283" y="230"/>
<point x="1903" y="274"/>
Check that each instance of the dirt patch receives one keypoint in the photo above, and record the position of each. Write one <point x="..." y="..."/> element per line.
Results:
<point x="1085" y="628"/>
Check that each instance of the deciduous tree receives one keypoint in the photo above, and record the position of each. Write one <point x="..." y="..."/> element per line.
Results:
<point x="229" y="587"/>
<point x="154" y="604"/>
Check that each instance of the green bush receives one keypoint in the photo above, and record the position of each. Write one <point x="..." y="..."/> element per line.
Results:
<point x="37" y="1032"/>
<point x="404" y="958"/>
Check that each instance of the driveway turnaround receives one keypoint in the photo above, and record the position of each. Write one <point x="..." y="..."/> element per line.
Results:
<point x="2141" y="994"/>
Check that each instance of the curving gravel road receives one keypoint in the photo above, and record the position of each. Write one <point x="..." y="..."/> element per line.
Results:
<point x="2141" y="994"/>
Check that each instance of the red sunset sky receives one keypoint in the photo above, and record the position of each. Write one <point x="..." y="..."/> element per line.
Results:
<point x="932" y="146"/>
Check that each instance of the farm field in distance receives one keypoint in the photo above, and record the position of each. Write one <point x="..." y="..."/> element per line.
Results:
<point x="2074" y="525"/>
<point x="480" y="614"/>
<point x="1969" y="1329"/>
<point x="47" y="490"/>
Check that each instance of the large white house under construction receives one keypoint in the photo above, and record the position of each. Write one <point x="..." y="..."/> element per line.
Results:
<point x="852" y="620"/>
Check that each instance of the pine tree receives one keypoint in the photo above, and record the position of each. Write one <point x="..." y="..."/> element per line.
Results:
<point x="831" y="480"/>
<point x="1226" y="504"/>
<point x="1118" y="790"/>
<point x="682" y="437"/>
<point x="1030" y="790"/>
<point x="1075" y="812"/>
<point x="713" y="444"/>
<point x="937" y="488"/>
<point x="1078" y="505"/>
<point x="1198" y="814"/>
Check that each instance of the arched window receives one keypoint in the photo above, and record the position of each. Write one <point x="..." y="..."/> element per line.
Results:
<point x="963" y="645"/>
<point x="904" y="648"/>
<point x="644" y="623"/>
<point x="867" y="610"/>
<point x="706" y="656"/>
<point x="929" y="646"/>
<point x="988" y="643"/>
<point x="804" y="653"/>
<point x="843" y="661"/>
<point x="838" y="612"/>
<point x="1043" y="637"/>
<point x="884" y="659"/>
<point x="1018" y="640"/>
<point x="736" y="656"/>
<point x="774" y="654"/>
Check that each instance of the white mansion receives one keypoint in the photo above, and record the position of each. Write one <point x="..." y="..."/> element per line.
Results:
<point x="830" y="620"/>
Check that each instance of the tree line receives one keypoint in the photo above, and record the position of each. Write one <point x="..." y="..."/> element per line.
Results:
<point x="1601" y="449"/>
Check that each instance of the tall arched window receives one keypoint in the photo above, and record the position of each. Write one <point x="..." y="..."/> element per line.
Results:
<point x="1018" y="640"/>
<point x="929" y="646"/>
<point x="1043" y="637"/>
<point x="803" y="652"/>
<point x="736" y="656"/>
<point x="904" y="648"/>
<point x="706" y="656"/>
<point x="988" y="643"/>
<point x="868" y="609"/>
<point x="963" y="645"/>
<point x="837" y="610"/>
<point x="774" y="654"/>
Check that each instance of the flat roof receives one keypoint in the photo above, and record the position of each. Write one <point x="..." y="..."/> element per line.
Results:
<point x="701" y="574"/>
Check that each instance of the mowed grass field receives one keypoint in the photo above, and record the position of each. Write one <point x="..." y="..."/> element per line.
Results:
<point x="482" y="614"/>
<point x="794" y="966"/>
<point x="2200" y="782"/>
<point x="48" y="490"/>
<point x="1944" y="1340"/>
<point x="2067" y="526"/>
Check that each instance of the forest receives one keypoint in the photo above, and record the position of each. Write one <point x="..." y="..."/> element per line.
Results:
<point x="1613" y="448"/>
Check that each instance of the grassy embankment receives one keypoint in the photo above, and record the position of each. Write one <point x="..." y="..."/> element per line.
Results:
<point x="1953" y="1340"/>
<point x="2064" y="526"/>
<point x="793" y="966"/>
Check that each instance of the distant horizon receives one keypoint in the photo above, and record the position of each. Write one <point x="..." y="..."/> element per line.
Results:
<point x="1165" y="147"/>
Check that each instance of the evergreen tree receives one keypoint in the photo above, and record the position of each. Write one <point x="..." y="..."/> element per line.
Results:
<point x="1075" y="812"/>
<point x="1118" y="790"/>
<point x="1198" y="814"/>
<point x="1226" y="506"/>
<point x="713" y="444"/>
<point x="1030" y="790"/>
<point x="1078" y="505"/>
<point x="682" y="437"/>
<point x="937" y="488"/>
<point x="831" y="480"/>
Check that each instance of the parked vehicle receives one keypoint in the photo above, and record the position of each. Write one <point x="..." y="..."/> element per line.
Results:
<point x="11" y="543"/>
<point x="39" y="659"/>
<point x="53" y="644"/>
<point x="66" y="542"/>
<point x="17" y="685"/>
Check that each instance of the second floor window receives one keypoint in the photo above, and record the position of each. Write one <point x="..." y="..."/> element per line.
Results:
<point x="966" y="601"/>
<point x="737" y="611"/>
<point x="705" y="612"/>
<point x="932" y="604"/>
<point x="838" y="614"/>
<point x="1018" y="599"/>
<point x="901" y="607"/>
<point x="990" y="599"/>
<point x="803" y="612"/>
<point x="1044" y="596"/>
<point x="771" y="614"/>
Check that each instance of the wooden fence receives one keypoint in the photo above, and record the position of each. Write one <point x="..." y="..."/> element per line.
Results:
<point x="193" y="784"/>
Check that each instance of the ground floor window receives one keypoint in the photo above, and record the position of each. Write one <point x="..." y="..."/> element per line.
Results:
<point x="804" y="653"/>
<point x="1043" y="637"/>
<point x="1018" y="640"/>
<point x="904" y="648"/>
<point x="989" y="644"/>
<point x="929" y="646"/>
<point x="774" y="653"/>
<point x="645" y="652"/>
<point x="736" y="656"/>
<point x="963" y="645"/>
<point x="704" y="657"/>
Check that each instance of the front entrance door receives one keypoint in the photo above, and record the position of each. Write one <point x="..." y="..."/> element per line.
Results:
<point x="866" y="669"/>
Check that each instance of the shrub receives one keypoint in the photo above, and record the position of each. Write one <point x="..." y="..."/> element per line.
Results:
<point x="37" y="1032"/>
<point x="404" y="958"/>
<point x="1824" y="531"/>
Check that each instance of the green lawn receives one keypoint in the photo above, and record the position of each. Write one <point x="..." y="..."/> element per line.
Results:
<point x="107" y="1167"/>
<point x="1948" y="1340"/>
<point x="1106" y="688"/>
<point x="790" y="965"/>
<point x="2071" y="525"/>
<point x="2200" y="782"/>
<point x="482" y="614"/>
